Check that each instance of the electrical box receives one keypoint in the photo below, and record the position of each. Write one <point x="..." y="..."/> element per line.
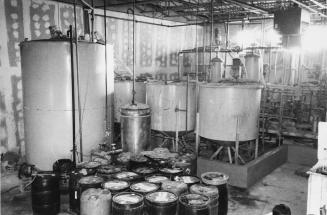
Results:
<point x="291" y="21"/>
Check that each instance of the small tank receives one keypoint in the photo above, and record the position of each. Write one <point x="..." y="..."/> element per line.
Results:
<point x="211" y="192"/>
<point x="135" y="128"/>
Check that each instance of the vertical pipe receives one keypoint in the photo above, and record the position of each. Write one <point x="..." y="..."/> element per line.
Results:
<point x="107" y="127"/>
<point x="77" y="80"/>
<point x="92" y="22"/>
<point x="133" y="100"/>
<point x="73" y="90"/>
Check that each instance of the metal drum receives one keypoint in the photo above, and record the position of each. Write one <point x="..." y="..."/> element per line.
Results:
<point x="127" y="203"/>
<point x="144" y="171"/>
<point x="135" y="128"/>
<point x="215" y="74"/>
<point x="90" y="182"/>
<point x="63" y="167"/>
<point x="209" y="191"/>
<point x="156" y="179"/>
<point x="144" y="187"/>
<point x="171" y="173"/>
<point x="193" y="204"/>
<point x="116" y="186"/>
<point x="161" y="203"/>
<point x="46" y="80"/>
<point x="107" y="171"/>
<point x="168" y="104"/>
<point x="187" y="179"/>
<point x="219" y="180"/>
<point x="96" y="201"/>
<point x="127" y="176"/>
<point x="229" y="111"/>
<point x="45" y="193"/>
<point x="123" y="95"/>
<point x="176" y="187"/>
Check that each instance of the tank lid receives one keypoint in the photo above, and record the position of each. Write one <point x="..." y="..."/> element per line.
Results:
<point x="251" y="54"/>
<point x="161" y="197"/>
<point x="216" y="59"/>
<point x="137" y="109"/>
<point x="144" y="187"/>
<point x="187" y="179"/>
<point x="194" y="200"/>
<point x="127" y="198"/>
<point x="89" y="165"/>
<point x="91" y="180"/>
<point x="210" y="191"/>
<point x="173" y="185"/>
<point x="115" y="185"/>
<point x="156" y="178"/>
<point x="214" y="178"/>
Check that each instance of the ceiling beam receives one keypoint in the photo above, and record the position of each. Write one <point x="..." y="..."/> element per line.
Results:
<point x="309" y="8"/>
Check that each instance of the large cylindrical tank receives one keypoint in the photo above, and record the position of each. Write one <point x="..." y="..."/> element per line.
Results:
<point x="168" y="105"/>
<point x="123" y="95"/>
<point x="252" y="65"/>
<point x="229" y="109"/>
<point x="47" y="96"/>
<point x="135" y="127"/>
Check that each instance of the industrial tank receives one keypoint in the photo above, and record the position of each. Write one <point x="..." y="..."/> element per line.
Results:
<point x="252" y="65"/>
<point x="123" y="95"/>
<point x="229" y="109"/>
<point x="168" y="105"/>
<point x="47" y="96"/>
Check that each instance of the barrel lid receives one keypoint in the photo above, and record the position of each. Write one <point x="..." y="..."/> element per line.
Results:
<point x="214" y="178"/>
<point x="187" y="179"/>
<point x="144" y="170"/>
<point x="125" y="174"/>
<point x="127" y="198"/>
<point x="171" y="170"/>
<point x="144" y="187"/>
<point x="194" y="200"/>
<point x="216" y="59"/>
<point x="109" y="169"/>
<point x="95" y="194"/>
<point x="115" y="185"/>
<point x="173" y="185"/>
<point x="161" y="197"/>
<point x="89" y="164"/>
<point x="251" y="54"/>
<point x="91" y="180"/>
<point x="137" y="109"/>
<point x="210" y="191"/>
<point x="139" y="158"/>
<point x="156" y="178"/>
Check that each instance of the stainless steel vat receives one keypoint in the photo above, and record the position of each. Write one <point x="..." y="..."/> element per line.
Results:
<point x="228" y="110"/>
<point x="216" y="70"/>
<point x="168" y="104"/>
<point x="135" y="127"/>
<point x="123" y="95"/>
<point x="46" y="77"/>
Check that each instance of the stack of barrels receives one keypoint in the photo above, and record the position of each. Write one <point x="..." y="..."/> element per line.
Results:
<point x="137" y="190"/>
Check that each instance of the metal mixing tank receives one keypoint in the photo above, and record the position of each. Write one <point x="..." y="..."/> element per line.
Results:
<point x="229" y="111"/>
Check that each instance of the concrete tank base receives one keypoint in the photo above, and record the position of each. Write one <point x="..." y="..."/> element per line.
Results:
<point x="244" y="176"/>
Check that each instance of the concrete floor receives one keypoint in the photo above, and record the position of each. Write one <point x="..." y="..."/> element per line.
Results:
<point x="282" y="186"/>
